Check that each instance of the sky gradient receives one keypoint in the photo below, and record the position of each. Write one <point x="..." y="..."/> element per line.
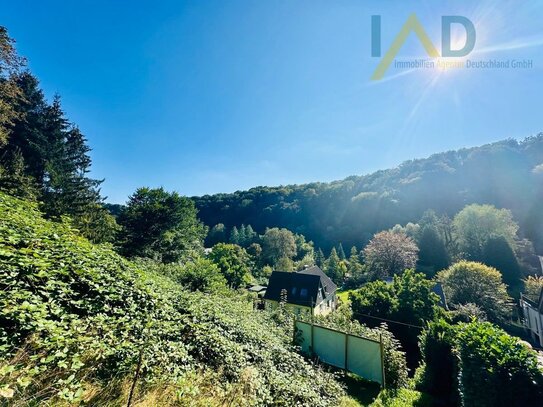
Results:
<point x="213" y="96"/>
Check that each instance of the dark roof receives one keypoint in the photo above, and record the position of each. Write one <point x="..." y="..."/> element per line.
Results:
<point x="307" y="287"/>
<point x="325" y="280"/>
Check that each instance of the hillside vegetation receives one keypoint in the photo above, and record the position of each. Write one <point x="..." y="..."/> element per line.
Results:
<point x="507" y="174"/>
<point x="77" y="318"/>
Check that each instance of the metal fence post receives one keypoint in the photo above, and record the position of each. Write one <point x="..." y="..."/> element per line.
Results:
<point x="382" y="359"/>
<point x="346" y="350"/>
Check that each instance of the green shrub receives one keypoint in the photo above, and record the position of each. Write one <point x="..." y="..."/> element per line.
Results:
<point x="402" y="398"/>
<point x="76" y="314"/>
<point x="478" y="364"/>
<point x="199" y="274"/>
<point x="496" y="369"/>
<point x="438" y="373"/>
<point x="468" y="282"/>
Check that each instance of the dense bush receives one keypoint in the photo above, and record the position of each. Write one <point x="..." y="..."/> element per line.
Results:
<point x="199" y="274"/>
<point x="75" y="316"/>
<point x="438" y="373"/>
<point x="496" y="369"/>
<point x="468" y="282"/>
<point x="478" y="364"/>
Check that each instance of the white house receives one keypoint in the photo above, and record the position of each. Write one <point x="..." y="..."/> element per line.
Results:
<point x="308" y="291"/>
<point x="533" y="317"/>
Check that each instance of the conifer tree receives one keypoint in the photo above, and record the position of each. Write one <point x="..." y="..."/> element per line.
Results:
<point x="335" y="268"/>
<point x="234" y="236"/>
<point x="319" y="258"/>
<point x="250" y="235"/>
<point x="432" y="250"/>
<point x="341" y="252"/>
<point x="242" y="236"/>
<point x="497" y="253"/>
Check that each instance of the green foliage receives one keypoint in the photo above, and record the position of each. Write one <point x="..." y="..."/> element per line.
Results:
<point x="470" y="282"/>
<point x="76" y="314"/>
<point x="498" y="253"/>
<point x="160" y="225"/>
<point x="305" y="252"/>
<point x="341" y="252"/>
<point x="532" y="287"/>
<point x="408" y="299"/>
<point x="233" y="262"/>
<point x="439" y="370"/>
<point x="199" y="274"/>
<point x="375" y="299"/>
<point x="217" y="234"/>
<point x="496" y="368"/>
<point x="319" y="258"/>
<point x="433" y="252"/>
<point x="335" y="268"/>
<point x="278" y="244"/>
<point x="356" y="271"/>
<point x="402" y="398"/>
<point x="97" y="224"/>
<point x="390" y="253"/>
<point x="42" y="155"/>
<point x="478" y="364"/>
<point x="475" y="224"/>
<point x="234" y="236"/>
<point x="352" y="210"/>
<point x="10" y="65"/>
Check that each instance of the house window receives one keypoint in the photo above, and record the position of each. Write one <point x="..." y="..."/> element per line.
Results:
<point x="293" y="291"/>
<point x="303" y="292"/>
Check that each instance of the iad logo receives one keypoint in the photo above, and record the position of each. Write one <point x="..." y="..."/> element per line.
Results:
<point x="413" y="24"/>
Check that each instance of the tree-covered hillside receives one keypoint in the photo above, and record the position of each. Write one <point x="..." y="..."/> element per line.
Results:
<point x="506" y="174"/>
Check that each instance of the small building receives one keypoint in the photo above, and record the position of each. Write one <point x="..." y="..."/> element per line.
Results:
<point x="533" y="317"/>
<point x="259" y="290"/>
<point x="308" y="291"/>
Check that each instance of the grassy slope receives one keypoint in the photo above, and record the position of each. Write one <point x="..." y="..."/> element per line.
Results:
<point x="76" y="317"/>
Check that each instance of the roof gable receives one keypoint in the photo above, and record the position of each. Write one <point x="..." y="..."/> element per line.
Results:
<point x="305" y="288"/>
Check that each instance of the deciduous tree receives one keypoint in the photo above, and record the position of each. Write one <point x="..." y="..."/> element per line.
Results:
<point x="234" y="263"/>
<point x="278" y="244"/>
<point x="475" y="224"/>
<point x="390" y="253"/>
<point x="470" y="282"/>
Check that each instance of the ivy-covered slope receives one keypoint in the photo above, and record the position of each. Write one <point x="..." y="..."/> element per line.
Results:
<point x="76" y="317"/>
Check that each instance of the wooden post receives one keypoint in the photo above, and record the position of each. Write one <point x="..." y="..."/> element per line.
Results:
<point x="312" y="322"/>
<point x="382" y="359"/>
<point x="133" y="387"/>
<point x="346" y="350"/>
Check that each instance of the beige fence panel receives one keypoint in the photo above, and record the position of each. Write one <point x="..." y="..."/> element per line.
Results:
<point x="353" y="353"/>
<point x="364" y="358"/>
<point x="329" y="346"/>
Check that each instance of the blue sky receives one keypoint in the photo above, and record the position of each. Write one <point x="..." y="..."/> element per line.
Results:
<point x="215" y="96"/>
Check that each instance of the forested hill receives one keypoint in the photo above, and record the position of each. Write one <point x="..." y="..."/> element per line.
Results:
<point x="507" y="174"/>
